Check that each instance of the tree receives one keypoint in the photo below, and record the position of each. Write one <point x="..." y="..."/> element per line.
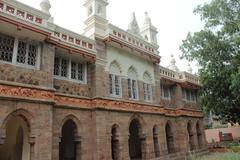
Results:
<point x="217" y="50"/>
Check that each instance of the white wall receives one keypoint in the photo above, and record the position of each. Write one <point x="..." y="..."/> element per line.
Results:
<point x="126" y="60"/>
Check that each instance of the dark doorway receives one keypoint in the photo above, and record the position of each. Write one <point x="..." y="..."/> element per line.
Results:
<point x="169" y="138"/>
<point x="16" y="145"/>
<point x="115" y="144"/>
<point x="155" y="142"/>
<point x="190" y="136"/>
<point x="19" y="144"/>
<point x="135" y="146"/>
<point x="67" y="147"/>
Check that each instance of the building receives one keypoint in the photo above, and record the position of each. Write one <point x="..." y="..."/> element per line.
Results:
<point x="99" y="95"/>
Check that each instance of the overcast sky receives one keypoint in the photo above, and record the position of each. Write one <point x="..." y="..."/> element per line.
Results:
<point x="173" y="19"/>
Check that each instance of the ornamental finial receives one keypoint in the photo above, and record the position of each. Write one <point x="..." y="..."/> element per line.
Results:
<point x="45" y="6"/>
<point x="172" y="65"/>
<point x="147" y="20"/>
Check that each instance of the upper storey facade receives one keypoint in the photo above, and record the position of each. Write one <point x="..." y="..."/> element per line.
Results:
<point x="104" y="62"/>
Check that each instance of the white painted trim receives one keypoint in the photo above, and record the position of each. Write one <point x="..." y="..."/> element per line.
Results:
<point x="150" y="92"/>
<point x="15" y="52"/>
<point x="131" y="88"/>
<point x="68" y="78"/>
<point x="14" y="58"/>
<point x="114" y="86"/>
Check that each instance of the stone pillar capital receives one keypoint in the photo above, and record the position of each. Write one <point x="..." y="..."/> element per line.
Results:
<point x="77" y="139"/>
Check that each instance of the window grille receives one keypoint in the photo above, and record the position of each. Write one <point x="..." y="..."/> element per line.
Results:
<point x="21" y="52"/>
<point x="6" y="48"/>
<point x="64" y="68"/>
<point x="26" y="53"/>
<point x="32" y="54"/>
<point x="69" y="69"/>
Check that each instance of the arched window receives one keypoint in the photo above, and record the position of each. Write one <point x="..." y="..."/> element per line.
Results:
<point x="132" y="83"/>
<point x="199" y="136"/>
<point x="115" y="143"/>
<point x="147" y="87"/>
<point x="190" y="136"/>
<point x="115" y="80"/>
<point x="69" y="148"/>
<point x="155" y="142"/>
<point x="169" y="138"/>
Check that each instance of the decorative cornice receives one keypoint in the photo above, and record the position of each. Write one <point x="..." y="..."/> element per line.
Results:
<point x="151" y="57"/>
<point x="21" y="92"/>
<point x="92" y="104"/>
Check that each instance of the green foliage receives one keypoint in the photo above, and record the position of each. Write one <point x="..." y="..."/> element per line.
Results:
<point x="220" y="156"/>
<point x="233" y="144"/>
<point x="217" y="50"/>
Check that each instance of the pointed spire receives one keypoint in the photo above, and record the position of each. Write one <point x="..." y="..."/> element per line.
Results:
<point x="45" y="6"/>
<point x="190" y="70"/>
<point x="133" y="25"/>
<point x="172" y="65"/>
<point x="147" y="20"/>
<point x="148" y="31"/>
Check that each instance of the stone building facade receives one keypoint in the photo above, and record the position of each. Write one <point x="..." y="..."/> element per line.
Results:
<point x="100" y="95"/>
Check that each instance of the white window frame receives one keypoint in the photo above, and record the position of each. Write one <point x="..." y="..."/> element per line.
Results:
<point x="113" y="87"/>
<point x="163" y="87"/>
<point x="131" y="89"/>
<point x="15" y="54"/>
<point x="147" y="91"/>
<point x="69" y="65"/>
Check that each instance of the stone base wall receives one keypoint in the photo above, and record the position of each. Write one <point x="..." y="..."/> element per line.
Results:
<point x="94" y="130"/>
<point x="38" y="118"/>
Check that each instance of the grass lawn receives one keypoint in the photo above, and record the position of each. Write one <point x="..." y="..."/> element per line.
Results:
<point x="220" y="156"/>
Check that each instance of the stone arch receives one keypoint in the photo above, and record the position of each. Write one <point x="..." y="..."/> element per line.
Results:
<point x="137" y="138"/>
<point x="70" y="139"/>
<point x="27" y="117"/>
<point x="115" y="146"/>
<point x="170" y="137"/>
<point x="116" y="126"/>
<point x="190" y="136"/>
<point x="141" y="121"/>
<point x="75" y="120"/>
<point x="17" y="136"/>
<point x="115" y="68"/>
<point x="147" y="78"/>
<point x="132" y="73"/>
<point x="199" y="135"/>
<point x="156" y="141"/>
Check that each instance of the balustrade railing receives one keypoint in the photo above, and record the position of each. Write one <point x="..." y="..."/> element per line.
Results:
<point x="23" y="12"/>
<point x="133" y="40"/>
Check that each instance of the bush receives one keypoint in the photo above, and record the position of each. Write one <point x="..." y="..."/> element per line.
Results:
<point x="219" y="156"/>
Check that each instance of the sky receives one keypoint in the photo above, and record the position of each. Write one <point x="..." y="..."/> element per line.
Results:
<point x="173" y="19"/>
